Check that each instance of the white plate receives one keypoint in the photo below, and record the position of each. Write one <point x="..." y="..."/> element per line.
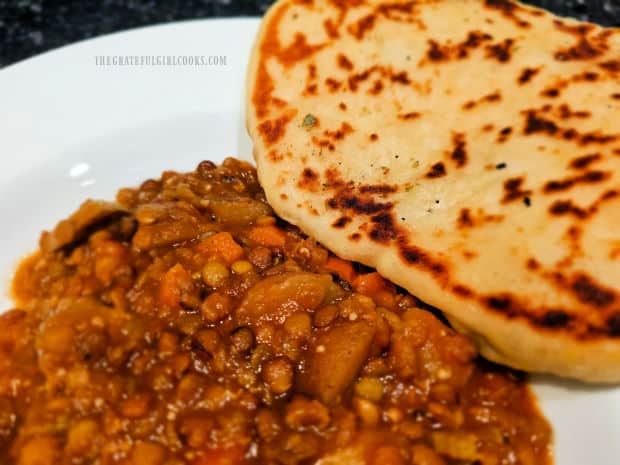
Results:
<point x="70" y="129"/>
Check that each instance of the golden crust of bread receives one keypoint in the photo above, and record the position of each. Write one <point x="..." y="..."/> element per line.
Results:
<point x="467" y="149"/>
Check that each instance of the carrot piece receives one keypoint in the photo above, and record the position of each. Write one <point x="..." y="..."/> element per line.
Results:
<point x="176" y="281"/>
<point x="369" y="283"/>
<point x="343" y="268"/>
<point x="377" y="288"/>
<point x="269" y="236"/>
<point x="223" y="245"/>
<point x="385" y="298"/>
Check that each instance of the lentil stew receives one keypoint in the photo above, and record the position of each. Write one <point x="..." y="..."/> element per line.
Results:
<point x="186" y="324"/>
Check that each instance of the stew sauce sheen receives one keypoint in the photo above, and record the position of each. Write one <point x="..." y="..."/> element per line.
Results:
<point x="186" y="324"/>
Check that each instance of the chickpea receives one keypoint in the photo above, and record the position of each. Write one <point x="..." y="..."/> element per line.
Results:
<point x="260" y="354"/>
<point x="370" y="389"/>
<point x="196" y="430"/>
<point x="180" y="363"/>
<point x="375" y="367"/>
<point x="299" y="325"/>
<point x="325" y="315"/>
<point x="210" y="340"/>
<point x="443" y="392"/>
<point x="241" y="267"/>
<point x="366" y="410"/>
<point x="82" y="438"/>
<point x="411" y="429"/>
<point x="167" y="344"/>
<point x="278" y="375"/>
<point x="267" y="424"/>
<point x="393" y="415"/>
<point x="205" y="167"/>
<point x="41" y="450"/>
<point x="388" y="455"/>
<point x="299" y="447"/>
<point x="450" y="417"/>
<point x="265" y="220"/>
<point x="136" y="406"/>
<point x="424" y="455"/>
<point x="149" y="213"/>
<point x="302" y="413"/>
<point x="215" y="273"/>
<point x="148" y="453"/>
<point x="215" y="307"/>
<point x="260" y="257"/>
<point x="242" y="340"/>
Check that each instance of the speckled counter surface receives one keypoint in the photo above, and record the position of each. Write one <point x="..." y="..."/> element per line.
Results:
<point x="29" y="27"/>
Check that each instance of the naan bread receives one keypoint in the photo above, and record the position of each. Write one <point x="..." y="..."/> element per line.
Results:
<point x="467" y="149"/>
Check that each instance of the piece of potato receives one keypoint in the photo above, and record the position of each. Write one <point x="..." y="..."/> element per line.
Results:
<point x="277" y="297"/>
<point x="336" y="359"/>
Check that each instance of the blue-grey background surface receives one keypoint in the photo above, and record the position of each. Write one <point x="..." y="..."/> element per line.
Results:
<point x="29" y="27"/>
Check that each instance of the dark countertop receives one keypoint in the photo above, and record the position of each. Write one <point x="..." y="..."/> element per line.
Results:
<point x="29" y="27"/>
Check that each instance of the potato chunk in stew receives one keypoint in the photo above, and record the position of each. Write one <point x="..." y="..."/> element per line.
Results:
<point x="336" y="359"/>
<point x="185" y="324"/>
<point x="277" y="297"/>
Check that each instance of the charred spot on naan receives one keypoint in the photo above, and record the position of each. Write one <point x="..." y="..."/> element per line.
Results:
<point x="401" y="12"/>
<point x="590" y="177"/>
<point x="611" y="66"/>
<point x="552" y="319"/>
<point x="504" y="135"/>
<point x="459" y="150"/>
<point x="613" y="322"/>
<point x="567" y="206"/>
<point x="311" y="78"/>
<point x="344" y="63"/>
<point x="565" y="112"/>
<point x="513" y="190"/>
<point x="585" y="48"/>
<point x="333" y="85"/>
<point x="380" y="73"/>
<point x="509" y="10"/>
<point x="440" y="53"/>
<point x="270" y="47"/>
<point x="348" y="200"/>
<point x="555" y="319"/>
<point x="273" y="130"/>
<point x="409" y="115"/>
<point x="341" y="222"/>
<point x="363" y="25"/>
<point x="469" y="220"/>
<point x="492" y="97"/>
<point x="556" y="88"/>
<point x="573" y="238"/>
<point x="527" y="75"/>
<point x="437" y="170"/>
<point x="586" y="289"/>
<point x="309" y="180"/>
<point x="535" y="123"/>
<point x="502" y="51"/>
<point x="584" y="161"/>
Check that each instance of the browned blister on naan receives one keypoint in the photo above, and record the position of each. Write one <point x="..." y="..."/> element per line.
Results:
<point x="467" y="149"/>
